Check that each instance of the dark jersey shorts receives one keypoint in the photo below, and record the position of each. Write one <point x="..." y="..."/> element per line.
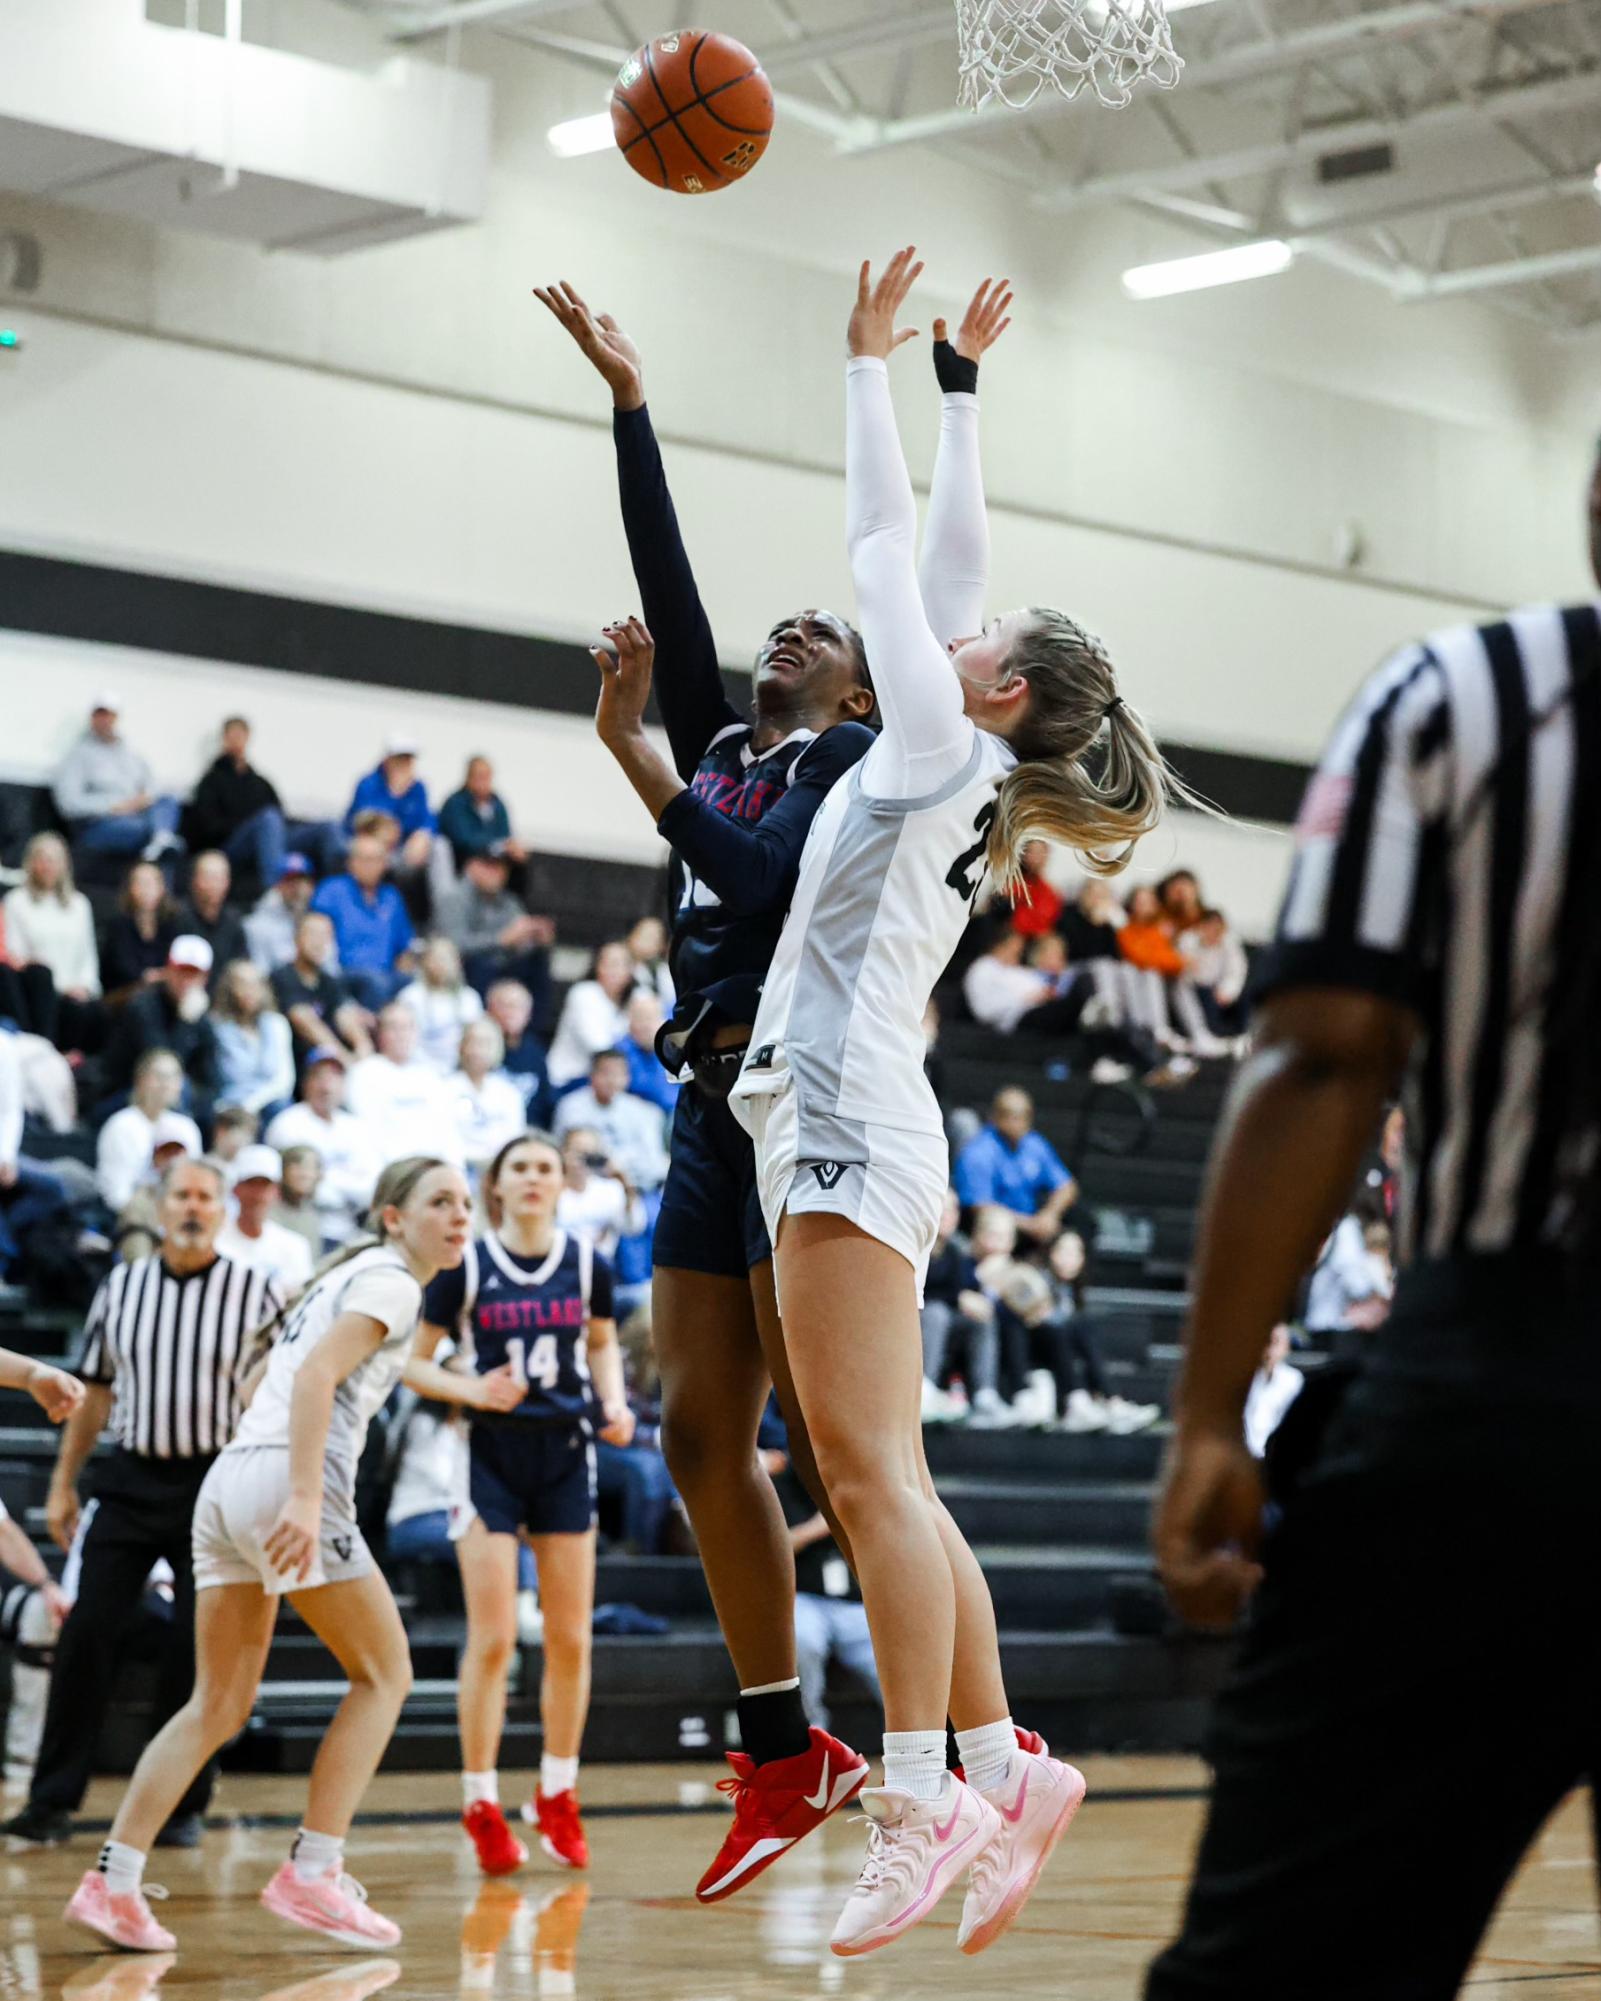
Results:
<point x="535" y="1477"/>
<point x="711" y="1213"/>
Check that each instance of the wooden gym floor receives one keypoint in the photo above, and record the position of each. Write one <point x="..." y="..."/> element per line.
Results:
<point x="630" y="1928"/>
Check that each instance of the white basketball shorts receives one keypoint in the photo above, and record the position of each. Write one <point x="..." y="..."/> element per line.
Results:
<point x="240" y="1500"/>
<point x="886" y="1180"/>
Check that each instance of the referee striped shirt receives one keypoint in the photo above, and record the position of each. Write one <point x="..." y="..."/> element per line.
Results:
<point x="1435" y="866"/>
<point x="169" y="1346"/>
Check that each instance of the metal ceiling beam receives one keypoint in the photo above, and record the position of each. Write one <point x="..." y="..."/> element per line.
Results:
<point x="1558" y="94"/>
<point x="911" y="28"/>
<point x="1504" y="199"/>
<point x="1490" y="277"/>
<point x="1327" y="41"/>
<point x="472" y="14"/>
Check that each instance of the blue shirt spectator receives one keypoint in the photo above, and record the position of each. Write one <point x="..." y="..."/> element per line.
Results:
<point x="393" y="787"/>
<point x="474" y="819"/>
<point x="646" y="1077"/>
<point x="1009" y="1164"/>
<point x="510" y="1005"/>
<point x="370" y="923"/>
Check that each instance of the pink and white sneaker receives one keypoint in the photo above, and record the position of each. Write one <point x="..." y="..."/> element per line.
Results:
<point x="916" y="1849"/>
<point x="123" y="1921"/>
<point x="1034" y="1805"/>
<point x="335" y="1906"/>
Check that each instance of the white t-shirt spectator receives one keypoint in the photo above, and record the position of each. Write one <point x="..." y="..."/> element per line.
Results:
<point x="487" y="1114"/>
<point x="122" y="1156"/>
<point x="350" y="1163"/>
<point x="1000" y="995"/>
<point x="60" y="936"/>
<point x="11" y="1106"/>
<point x="590" y="1022"/>
<point x="407" y="1108"/>
<point x="1269" y="1398"/>
<point x="432" y="1475"/>
<point x="441" y="1014"/>
<point x="601" y="1211"/>
<point x="1223" y="967"/>
<point x="285" y="1254"/>
<point x="631" y="1127"/>
<point x="1347" y="1273"/>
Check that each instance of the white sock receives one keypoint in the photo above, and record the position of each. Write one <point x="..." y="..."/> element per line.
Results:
<point x="914" y="1762"/>
<point x="476" y="1786"/>
<point x="987" y="1753"/>
<point x="123" y="1868"/>
<point x="774" y="1687"/>
<point x="316" y="1855"/>
<point x="557" y="1775"/>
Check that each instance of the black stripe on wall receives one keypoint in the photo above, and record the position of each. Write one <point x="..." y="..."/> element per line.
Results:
<point x="91" y="601"/>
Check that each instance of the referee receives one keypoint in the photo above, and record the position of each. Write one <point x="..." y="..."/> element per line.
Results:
<point x="162" y="1340"/>
<point x="1420" y="1680"/>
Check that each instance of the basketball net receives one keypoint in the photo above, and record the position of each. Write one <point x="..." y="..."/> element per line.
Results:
<point x="1011" y="49"/>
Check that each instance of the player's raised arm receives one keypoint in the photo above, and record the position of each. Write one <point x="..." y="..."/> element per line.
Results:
<point x="926" y="736"/>
<point x="953" y="574"/>
<point x="693" y="702"/>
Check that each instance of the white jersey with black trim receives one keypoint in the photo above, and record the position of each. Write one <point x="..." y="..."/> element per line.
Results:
<point x="897" y="852"/>
<point x="376" y="1283"/>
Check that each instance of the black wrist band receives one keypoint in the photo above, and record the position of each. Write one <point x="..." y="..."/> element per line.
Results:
<point x="956" y="373"/>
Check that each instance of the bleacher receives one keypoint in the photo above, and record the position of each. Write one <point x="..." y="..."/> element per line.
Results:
<point x="1059" y="1522"/>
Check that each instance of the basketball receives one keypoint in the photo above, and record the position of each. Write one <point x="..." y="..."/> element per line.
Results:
<point x="692" y="112"/>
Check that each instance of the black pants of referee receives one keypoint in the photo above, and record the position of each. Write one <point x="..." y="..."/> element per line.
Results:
<point x="1420" y="1684"/>
<point x="143" y="1512"/>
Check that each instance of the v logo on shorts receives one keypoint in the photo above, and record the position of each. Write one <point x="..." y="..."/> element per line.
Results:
<point x="342" y="1547"/>
<point x="830" y="1173"/>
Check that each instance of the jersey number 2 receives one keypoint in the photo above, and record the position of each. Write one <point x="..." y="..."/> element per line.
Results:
<point x="538" y="1366"/>
<point x="967" y="871"/>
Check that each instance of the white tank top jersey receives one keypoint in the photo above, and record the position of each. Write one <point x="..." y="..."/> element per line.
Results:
<point x="375" y="1282"/>
<point x="897" y="852"/>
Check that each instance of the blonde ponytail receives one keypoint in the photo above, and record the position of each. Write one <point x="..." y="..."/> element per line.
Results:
<point x="1054" y="794"/>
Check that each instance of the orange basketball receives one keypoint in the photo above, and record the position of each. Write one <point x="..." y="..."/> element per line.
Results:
<point x="693" y="111"/>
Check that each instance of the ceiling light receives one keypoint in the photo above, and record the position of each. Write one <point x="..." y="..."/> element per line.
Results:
<point x="1212" y="267"/>
<point x="581" y="135"/>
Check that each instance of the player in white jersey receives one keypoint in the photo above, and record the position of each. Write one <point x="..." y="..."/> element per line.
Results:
<point x="850" y="1150"/>
<point x="276" y="1518"/>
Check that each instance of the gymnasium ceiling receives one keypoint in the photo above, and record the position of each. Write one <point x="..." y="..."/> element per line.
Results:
<point x="1434" y="147"/>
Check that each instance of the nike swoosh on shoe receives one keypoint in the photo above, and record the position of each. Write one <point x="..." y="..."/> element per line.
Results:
<point x="820" y="1803"/>
<point x="758" y="1851"/>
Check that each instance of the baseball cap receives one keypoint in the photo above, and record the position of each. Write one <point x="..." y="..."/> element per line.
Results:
<point x="172" y="1129"/>
<point x="295" y="864"/>
<point x="188" y="950"/>
<point x="108" y="700"/>
<point x="323" y="1054"/>
<point x="401" y="745"/>
<point x="257" y="1163"/>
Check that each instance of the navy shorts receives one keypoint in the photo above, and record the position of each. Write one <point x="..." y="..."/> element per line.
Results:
<point x="711" y="1213"/>
<point x="535" y="1477"/>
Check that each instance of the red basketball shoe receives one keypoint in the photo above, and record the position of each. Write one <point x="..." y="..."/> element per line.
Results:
<point x="777" y="1805"/>
<point x="561" y="1832"/>
<point x="499" y="1850"/>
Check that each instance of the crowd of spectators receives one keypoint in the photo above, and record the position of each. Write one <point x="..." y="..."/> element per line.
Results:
<point x="1152" y="982"/>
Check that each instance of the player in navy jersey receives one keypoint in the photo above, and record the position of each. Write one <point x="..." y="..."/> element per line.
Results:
<point x="531" y="1308"/>
<point x="736" y="804"/>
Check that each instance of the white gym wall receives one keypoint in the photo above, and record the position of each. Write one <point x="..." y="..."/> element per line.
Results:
<point x="403" y="429"/>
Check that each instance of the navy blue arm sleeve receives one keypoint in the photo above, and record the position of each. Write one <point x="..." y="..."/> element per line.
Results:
<point x="753" y="868"/>
<point x="444" y="1296"/>
<point x="602" y="1293"/>
<point x="689" y="688"/>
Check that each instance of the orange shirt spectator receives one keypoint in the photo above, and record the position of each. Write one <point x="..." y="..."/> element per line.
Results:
<point x="1146" y="940"/>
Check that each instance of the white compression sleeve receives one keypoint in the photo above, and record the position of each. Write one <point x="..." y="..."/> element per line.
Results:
<point x="926" y="737"/>
<point x="953" y="574"/>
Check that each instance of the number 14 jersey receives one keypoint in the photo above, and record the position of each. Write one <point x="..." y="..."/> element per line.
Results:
<point x="885" y="890"/>
<point x="533" y="1314"/>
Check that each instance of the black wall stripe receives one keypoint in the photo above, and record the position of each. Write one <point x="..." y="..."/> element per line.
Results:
<point x="94" y="602"/>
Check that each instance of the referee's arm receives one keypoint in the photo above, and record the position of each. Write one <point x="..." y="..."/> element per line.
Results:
<point x="81" y="1432"/>
<point x="1333" y="1037"/>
